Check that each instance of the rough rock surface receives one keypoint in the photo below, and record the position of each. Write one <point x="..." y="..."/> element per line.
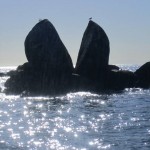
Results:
<point x="93" y="55"/>
<point x="44" y="48"/>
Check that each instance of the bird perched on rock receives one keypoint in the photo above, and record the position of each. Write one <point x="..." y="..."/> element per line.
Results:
<point x="90" y="18"/>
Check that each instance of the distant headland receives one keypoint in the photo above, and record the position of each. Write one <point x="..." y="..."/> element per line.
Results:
<point x="50" y="71"/>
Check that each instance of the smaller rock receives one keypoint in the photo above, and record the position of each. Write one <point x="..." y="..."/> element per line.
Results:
<point x="11" y="73"/>
<point x="120" y="79"/>
<point x="2" y="74"/>
<point x="143" y="76"/>
<point x="19" y="80"/>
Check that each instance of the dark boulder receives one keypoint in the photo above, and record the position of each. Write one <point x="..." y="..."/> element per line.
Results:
<point x="120" y="79"/>
<point x="93" y="56"/>
<point x="19" y="80"/>
<point x="143" y="76"/>
<point x="44" y="49"/>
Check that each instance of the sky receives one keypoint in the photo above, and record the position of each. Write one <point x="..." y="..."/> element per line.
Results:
<point x="126" y="23"/>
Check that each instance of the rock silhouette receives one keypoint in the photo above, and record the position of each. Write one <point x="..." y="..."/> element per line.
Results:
<point x="49" y="70"/>
<point x="143" y="76"/>
<point x="49" y="67"/>
<point x="93" y="55"/>
<point x="44" y="48"/>
<point x="120" y="79"/>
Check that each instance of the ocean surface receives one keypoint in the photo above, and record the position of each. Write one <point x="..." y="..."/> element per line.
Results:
<point x="76" y="121"/>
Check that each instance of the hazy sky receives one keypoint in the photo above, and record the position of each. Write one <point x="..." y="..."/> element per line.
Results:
<point x="126" y="22"/>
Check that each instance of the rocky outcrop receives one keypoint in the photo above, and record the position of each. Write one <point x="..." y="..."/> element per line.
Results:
<point x="120" y="79"/>
<point x="143" y="76"/>
<point x="93" y="56"/>
<point x="49" y="70"/>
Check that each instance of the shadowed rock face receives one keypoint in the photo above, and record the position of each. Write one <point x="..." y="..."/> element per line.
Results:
<point x="120" y="79"/>
<point x="143" y="76"/>
<point x="44" y="48"/>
<point x="34" y="81"/>
<point x="93" y="55"/>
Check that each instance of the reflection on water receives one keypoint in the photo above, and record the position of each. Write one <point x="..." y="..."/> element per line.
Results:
<point x="76" y="121"/>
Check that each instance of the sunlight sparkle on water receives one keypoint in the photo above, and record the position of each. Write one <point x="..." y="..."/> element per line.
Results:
<point x="67" y="129"/>
<point x="75" y="121"/>
<point x="99" y="144"/>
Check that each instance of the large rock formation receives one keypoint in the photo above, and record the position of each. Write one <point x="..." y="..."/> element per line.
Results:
<point x="49" y="70"/>
<point x="44" y="48"/>
<point x="93" y="55"/>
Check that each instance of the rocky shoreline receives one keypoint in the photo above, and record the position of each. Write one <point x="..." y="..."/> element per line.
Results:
<point x="50" y="71"/>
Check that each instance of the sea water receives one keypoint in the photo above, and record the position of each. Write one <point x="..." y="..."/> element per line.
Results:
<point x="76" y="121"/>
